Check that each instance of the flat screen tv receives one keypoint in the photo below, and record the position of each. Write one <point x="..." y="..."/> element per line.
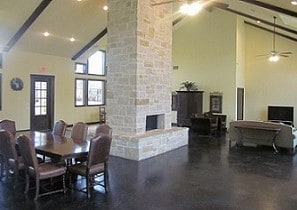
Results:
<point x="281" y="113"/>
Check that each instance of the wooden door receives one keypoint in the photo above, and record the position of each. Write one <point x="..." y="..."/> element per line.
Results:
<point x="42" y="102"/>
<point x="240" y="103"/>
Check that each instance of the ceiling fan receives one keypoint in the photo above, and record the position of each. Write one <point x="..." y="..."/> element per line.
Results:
<point x="192" y="7"/>
<point x="275" y="55"/>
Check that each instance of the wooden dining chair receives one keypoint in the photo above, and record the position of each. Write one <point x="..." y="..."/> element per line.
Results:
<point x="59" y="128"/>
<point x="79" y="132"/>
<point x="97" y="164"/>
<point x="10" y="156"/>
<point x="8" y="125"/>
<point x="38" y="171"/>
<point x="103" y="130"/>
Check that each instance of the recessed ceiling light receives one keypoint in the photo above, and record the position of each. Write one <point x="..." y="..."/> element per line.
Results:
<point x="46" y="34"/>
<point x="294" y="2"/>
<point x="72" y="39"/>
<point x="105" y="8"/>
<point x="258" y="21"/>
<point x="78" y="0"/>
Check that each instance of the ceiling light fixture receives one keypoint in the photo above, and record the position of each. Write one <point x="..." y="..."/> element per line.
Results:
<point x="190" y="8"/>
<point x="294" y="2"/>
<point x="105" y="8"/>
<point x="273" y="58"/>
<point x="72" y="39"/>
<point x="46" y="34"/>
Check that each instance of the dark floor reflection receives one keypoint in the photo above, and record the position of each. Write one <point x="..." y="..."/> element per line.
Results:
<point x="206" y="174"/>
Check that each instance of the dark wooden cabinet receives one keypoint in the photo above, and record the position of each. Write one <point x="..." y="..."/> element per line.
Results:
<point x="188" y="104"/>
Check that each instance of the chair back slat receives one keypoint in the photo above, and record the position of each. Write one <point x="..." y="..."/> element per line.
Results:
<point x="7" y="145"/>
<point x="79" y="132"/>
<point x="99" y="150"/>
<point x="103" y="130"/>
<point x="27" y="151"/>
<point x="8" y="125"/>
<point x="59" y="128"/>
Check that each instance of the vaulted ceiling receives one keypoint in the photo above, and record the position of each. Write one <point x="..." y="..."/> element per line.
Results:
<point x="23" y="22"/>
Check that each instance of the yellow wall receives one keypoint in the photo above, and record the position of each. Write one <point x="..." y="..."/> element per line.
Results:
<point x="204" y="49"/>
<point x="268" y="83"/>
<point x="16" y="104"/>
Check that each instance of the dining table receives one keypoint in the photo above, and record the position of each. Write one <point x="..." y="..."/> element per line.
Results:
<point x="57" y="147"/>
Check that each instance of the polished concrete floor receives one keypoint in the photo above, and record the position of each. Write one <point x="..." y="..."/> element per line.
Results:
<point x="206" y="174"/>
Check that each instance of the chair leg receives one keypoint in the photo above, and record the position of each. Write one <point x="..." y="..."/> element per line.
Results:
<point x="7" y="171"/>
<point x="64" y="185"/>
<point x="16" y="175"/>
<point x="37" y="188"/>
<point x="88" y="186"/>
<point x="27" y="183"/>
<point x="105" y="177"/>
<point x="2" y="165"/>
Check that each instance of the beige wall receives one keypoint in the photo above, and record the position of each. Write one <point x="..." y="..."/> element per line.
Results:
<point x="16" y="104"/>
<point x="204" y="49"/>
<point x="268" y="83"/>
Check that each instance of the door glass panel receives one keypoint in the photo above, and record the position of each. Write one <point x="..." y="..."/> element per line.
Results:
<point x="43" y="110"/>
<point x="37" y="111"/>
<point x="37" y="85"/>
<point x="43" y="85"/>
<point x="43" y="94"/>
<point x="40" y="98"/>
<point x="43" y="102"/>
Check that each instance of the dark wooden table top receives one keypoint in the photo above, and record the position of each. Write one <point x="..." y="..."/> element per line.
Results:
<point x="56" y="146"/>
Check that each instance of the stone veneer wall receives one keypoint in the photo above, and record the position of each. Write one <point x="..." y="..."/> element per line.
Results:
<point x="139" y="64"/>
<point x="139" y="52"/>
<point x="149" y="144"/>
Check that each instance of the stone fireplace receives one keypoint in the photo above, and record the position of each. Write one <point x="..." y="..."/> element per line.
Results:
<point x="139" y="80"/>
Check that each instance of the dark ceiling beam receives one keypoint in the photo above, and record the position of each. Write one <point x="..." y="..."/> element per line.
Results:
<point x="90" y="44"/>
<point x="265" y="29"/>
<point x="27" y="24"/>
<point x="271" y="7"/>
<point x="261" y="20"/>
<point x="178" y="19"/>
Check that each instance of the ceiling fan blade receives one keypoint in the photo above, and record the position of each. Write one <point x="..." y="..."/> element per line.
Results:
<point x="286" y="56"/>
<point x="163" y="2"/>
<point x="263" y="55"/>
<point x="288" y="53"/>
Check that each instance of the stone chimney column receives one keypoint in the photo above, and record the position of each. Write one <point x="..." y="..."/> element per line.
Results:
<point x="139" y="64"/>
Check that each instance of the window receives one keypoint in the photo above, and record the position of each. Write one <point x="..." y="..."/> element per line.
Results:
<point x="40" y="98"/>
<point x="80" y="89"/>
<point x="96" y="92"/>
<point x="96" y="63"/>
<point x="80" y="68"/>
<point x="90" y="91"/>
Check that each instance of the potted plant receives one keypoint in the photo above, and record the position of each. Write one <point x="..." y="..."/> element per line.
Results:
<point x="189" y="86"/>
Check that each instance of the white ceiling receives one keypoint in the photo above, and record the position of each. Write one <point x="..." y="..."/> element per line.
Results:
<point x="86" y="19"/>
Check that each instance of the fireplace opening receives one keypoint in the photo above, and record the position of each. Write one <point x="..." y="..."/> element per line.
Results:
<point x="154" y="122"/>
<point x="151" y="122"/>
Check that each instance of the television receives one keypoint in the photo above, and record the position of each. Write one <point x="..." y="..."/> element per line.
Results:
<point x="281" y="113"/>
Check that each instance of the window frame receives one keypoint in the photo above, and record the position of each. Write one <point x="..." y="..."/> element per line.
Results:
<point x="84" y="66"/>
<point x="103" y="67"/>
<point x="83" y="92"/>
<point x="103" y="92"/>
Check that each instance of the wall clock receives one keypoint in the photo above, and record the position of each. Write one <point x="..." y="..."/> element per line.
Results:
<point x="16" y="84"/>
